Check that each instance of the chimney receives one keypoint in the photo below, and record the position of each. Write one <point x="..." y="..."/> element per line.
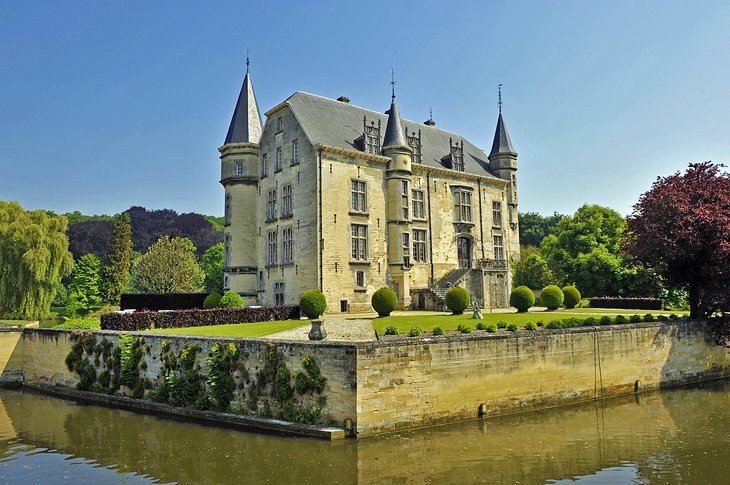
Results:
<point x="344" y="99"/>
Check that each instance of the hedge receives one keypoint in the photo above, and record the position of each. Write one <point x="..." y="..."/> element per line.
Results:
<point x="162" y="301"/>
<point x="627" y="303"/>
<point x="197" y="318"/>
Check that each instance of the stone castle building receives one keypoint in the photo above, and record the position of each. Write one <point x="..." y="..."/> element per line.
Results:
<point x="333" y="196"/>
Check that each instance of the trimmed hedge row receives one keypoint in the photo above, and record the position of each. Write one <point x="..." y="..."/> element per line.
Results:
<point x="197" y="318"/>
<point x="630" y="303"/>
<point x="162" y="301"/>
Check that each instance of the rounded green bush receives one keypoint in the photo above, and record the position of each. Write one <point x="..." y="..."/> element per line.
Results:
<point x="437" y="330"/>
<point x="648" y="317"/>
<point x="605" y="320"/>
<point x="554" y="324"/>
<point x="635" y="318"/>
<point x="522" y="298"/>
<point x="457" y="300"/>
<point x="589" y="322"/>
<point x="512" y="327"/>
<point x="491" y="327"/>
<point x="391" y="330"/>
<point x="415" y="331"/>
<point x="552" y="297"/>
<point x="212" y="301"/>
<point x="463" y="328"/>
<point x="620" y="320"/>
<point x="312" y="304"/>
<point x="572" y="296"/>
<point x="531" y="326"/>
<point x="231" y="300"/>
<point x="501" y="324"/>
<point x="384" y="301"/>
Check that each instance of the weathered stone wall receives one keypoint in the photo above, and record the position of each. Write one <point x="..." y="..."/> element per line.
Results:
<point x="11" y="356"/>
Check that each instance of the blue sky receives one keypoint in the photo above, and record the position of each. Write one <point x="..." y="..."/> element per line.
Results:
<point x="105" y="105"/>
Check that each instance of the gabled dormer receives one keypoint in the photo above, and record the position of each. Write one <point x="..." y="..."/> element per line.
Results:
<point x="455" y="159"/>
<point x="369" y="141"/>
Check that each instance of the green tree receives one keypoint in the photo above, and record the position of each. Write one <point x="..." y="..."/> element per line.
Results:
<point x="34" y="257"/>
<point x="531" y="270"/>
<point x="116" y="272"/>
<point x="84" y="291"/>
<point x="212" y="265"/>
<point x="534" y="227"/>
<point x="168" y="266"/>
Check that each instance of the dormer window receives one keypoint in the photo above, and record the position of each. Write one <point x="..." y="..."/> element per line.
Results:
<point x="369" y="141"/>
<point x="457" y="156"/>
<point x="415" y="143"/>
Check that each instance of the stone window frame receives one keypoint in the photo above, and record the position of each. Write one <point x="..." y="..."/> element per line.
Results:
<point x="238" y="169"/>
<point x="357" y="204"/>
<point x="272" y="247"/>
<point x="287" y="201"/>
<point x="360" y="279"/>
<point x="227" y="210"/>
<point x="463" y="203"/>
<point x="418" y="204"/>
<point x="405" y="204"/>
<point x="496" y="213"/>
<point x="279" y="161"/>
<point x="419" y="238"/>
<point x="227" y="250"/>
<point x="359" y="243"/>
<point x="264" y="165"/>
<point x="271" y="205"/>
<point x="405" y="239"/>
<point x="279" y="288"/>
<point x="287" y="245"/>
<point x="498" y="242"/>
<point x="295" y="152"/>
<point x="226" y="281"/>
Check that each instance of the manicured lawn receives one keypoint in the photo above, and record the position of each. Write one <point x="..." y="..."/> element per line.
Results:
<point x="13" y="322"/>
<point x="237" y="330"/>
<point x="91" y="323"/>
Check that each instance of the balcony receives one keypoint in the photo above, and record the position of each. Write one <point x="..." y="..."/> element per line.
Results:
<point x="491" y="264"/>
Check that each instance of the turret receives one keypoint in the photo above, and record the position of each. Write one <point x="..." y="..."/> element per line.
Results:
<point x="503" y="159"/>
<point x="239" y="177"/>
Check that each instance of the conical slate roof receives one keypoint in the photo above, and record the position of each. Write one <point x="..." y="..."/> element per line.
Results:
<point x="246" y="122"/>
<point x="501" y="143"/>
<point x="395" y="135"/>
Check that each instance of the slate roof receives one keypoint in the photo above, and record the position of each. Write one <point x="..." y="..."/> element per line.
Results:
<point x="501" y="143"/>
<point x="395" y="135"/>
<point x="334" y="123"/>
<point x="245" y="124"/>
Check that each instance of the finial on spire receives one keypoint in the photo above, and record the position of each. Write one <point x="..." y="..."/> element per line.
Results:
<point x="247" y="61"/>
<point x="392" y="82"/>
<point x="500" y="98"/>
<point x="430" y="113"/>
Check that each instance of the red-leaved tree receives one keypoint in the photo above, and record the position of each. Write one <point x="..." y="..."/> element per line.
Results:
<point x="681" y="227"/>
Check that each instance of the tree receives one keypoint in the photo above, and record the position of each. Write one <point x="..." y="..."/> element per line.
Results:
<point x="169" y="266"/>
<point x="34" y="257"/>
<point x="681" y="228"/>
<point x="84" y="290"/>
<point x="119" y="256"/>
<point x="90" y="236"/>
<point x="531" y="270"/>
<point x="534" y="227"/>
<point x="212" y="265"/>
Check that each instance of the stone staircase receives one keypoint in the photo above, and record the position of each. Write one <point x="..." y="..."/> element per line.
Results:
<point x="451" y="279"/>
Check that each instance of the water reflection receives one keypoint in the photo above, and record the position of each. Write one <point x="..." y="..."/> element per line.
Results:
<point x="675" y="436"/>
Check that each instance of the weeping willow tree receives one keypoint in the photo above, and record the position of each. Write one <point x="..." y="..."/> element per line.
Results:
<point x="34" y="257"/>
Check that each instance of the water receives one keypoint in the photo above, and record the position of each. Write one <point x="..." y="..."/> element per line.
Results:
<point x="672" y="436"/>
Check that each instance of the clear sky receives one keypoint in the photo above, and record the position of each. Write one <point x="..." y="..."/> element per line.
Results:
<point x="105" y="105"/>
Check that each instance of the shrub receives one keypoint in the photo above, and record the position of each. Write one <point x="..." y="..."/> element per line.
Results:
<point x="491" y="327"/>
<point x="662" y="318"/>
<point x="463" y="328"/>
<point x="384" y="301"/>
<point x="554" y="324"/>
<point x="635" y="319"/>
<point x="552" y="297"/>
<point x="512" y="327"/>
<point x="540" y="323"/>
<point x="391" y="330"/>
<point x="313" y="304"/>
<point x="685" y="315"/>
<point x="231" y="300"/>
<point x="571" y="322"/>
<point x="673" y="316"/>
<point x="620" y="320"/>
<point x="481" y="326"/>
<point x="530" y="326"/>
<point x="437" y="330"/>
<point x="212" y="301"/>
<point x="589" y="322"/>
<point x="572" y="296"/>
<point x="501" y="324"/>
<point x="415" y="331"/>
<point x="522" y="298"/>
<point x="649" y="317"/>
<point x="457" y="300"/>
<point x="606" y="320"/>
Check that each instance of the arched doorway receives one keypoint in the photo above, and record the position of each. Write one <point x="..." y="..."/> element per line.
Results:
<point x="464" y="251"/>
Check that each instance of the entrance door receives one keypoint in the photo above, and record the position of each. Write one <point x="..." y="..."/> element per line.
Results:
<point x="463" y="249"/>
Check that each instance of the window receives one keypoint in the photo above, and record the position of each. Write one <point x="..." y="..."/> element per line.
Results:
<point x="279" y="124"/>
<point x="271" y="248"/>
<point x="417" y="202"/>
<point x="358" y="191"/>
<point x="457" y="155"/>
<point x="360" y="279"/>
<point x="419" y="245"/>
<point x="264" y="166"/>
<point x="226" y="283"/>
<point x="404" y="199"/>
<point x="239" y="169"/>
<point x="279" y="293"/>
<point x="227" y="252"/>
<point x="227" y="213"/>
<point x="498" y="249"/>
<point x="277" y="167"/>
<point x="287" y="244"/>
<point x="295" y="152"/>
<point x="496" y="213"/>
<point x="415" y="143"/>
<point x="406" y="249"/>
<point x="462" y="205"/>
<point x="372" y="144"/>
<point x="458" y="161"/>
<point x="271" y="205"/>
<point x="286" y="201"/>
<point x="359" y="242"/>
<point x="261" y="281"/>
<point x="370" y="137"/>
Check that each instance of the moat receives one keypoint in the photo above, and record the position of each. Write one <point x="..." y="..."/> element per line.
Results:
<point x="671" y="436"/>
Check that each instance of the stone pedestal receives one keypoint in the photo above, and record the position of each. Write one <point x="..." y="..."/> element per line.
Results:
<point x="317" y="332"/>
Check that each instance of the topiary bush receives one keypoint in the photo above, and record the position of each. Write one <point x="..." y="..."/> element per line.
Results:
<point x="512" y="327"/>
<point x="313" y="304"/>
<point x="552" y="297"/>
<point x="415" y="331"/>
<point x="481" y="326"/>
<point x="491" y="327"/>
<point x="662" y="318"/>
<point x="554" y="324"/>
<point x="648" y="317"/>
<point x="212" y="301"/>
<point x="589" y="322"/>
<point x="606" y="320"/>
<point x="437" y="330"/>
<point x="501" y="324"/>
<point x="635" y="318"/>
<point x="231" y="300"/>
<point x="463" y="328"/>
<point x="457" y="300"/>
<point x="572" y="296"/>
<point x="522" y="298"/>
<point x="620" y="320"/>
<point x="391" y="330"/>
<point x="531" y="326"/>
<point x="384" y="301"/>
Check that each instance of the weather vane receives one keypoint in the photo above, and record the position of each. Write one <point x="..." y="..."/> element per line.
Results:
<point x="247" y="61"/>
<point x="500" y="98"/>
<point x="392" y="81"/>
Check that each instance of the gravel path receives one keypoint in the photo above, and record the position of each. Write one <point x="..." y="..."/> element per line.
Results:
<point x="338" y="330"/>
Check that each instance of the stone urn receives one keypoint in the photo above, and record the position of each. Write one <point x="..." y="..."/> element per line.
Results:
<point x="317" y="332"/>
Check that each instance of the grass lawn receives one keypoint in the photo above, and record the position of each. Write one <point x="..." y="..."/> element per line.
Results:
<point x="251" y="330"/>
<point x="616" y="311"/>
<point x="13" y="322"/>
<point x="450" y="322"/>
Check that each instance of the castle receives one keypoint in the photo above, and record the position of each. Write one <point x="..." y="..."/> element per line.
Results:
<point x="333" y="196"/>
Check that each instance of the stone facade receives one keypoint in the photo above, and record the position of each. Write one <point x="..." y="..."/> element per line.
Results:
<point x="323" y="199"/>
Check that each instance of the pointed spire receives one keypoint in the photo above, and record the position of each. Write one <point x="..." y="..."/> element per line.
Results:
<point x="501" y="143"/>
<point x="245" y="125"/>
<point x="395" y="135"/>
